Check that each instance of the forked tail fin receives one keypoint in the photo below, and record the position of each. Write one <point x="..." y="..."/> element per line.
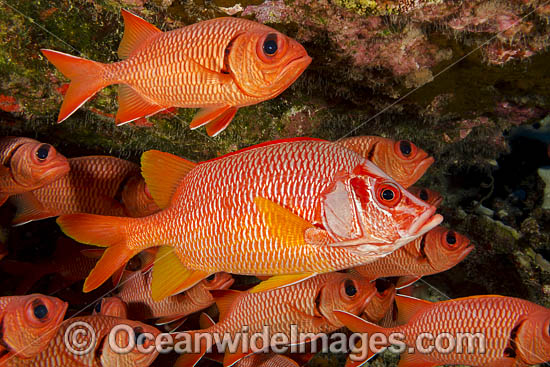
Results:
<point x="104" y="231"/>
<point x="86" y="79"/>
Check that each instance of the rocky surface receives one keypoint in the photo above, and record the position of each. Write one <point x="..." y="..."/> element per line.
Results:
<point x="467" y="81"/>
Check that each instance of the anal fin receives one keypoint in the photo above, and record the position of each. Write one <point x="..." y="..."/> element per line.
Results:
<point x="209" y="114"/>
<point x="219" y="124"/>
<point x="132" y="106"/>
<point x="170" y="276"/>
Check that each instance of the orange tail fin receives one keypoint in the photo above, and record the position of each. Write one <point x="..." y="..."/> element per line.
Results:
<point x="101" y="231"/>
<point x="86" y="79"/>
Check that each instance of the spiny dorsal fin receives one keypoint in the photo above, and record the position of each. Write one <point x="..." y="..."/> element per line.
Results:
<point x="136" y="31"/>
<point x="407" y="307"/>
<point x="163" y="172"/>
<point x="224" y="300"/>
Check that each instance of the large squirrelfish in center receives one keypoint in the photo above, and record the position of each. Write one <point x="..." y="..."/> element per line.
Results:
<point x="219" y="65"/>
<point x="294" y="208"/>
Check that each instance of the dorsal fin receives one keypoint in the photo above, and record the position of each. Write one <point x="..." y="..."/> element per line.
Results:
<point x="224" y="300"/>
<point x="136" y="31"/>
<point x="407" y="307"/>
<point x="163" y="173"/>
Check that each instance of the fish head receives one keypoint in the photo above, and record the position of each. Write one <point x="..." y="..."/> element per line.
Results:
<point x="218" y="281"/>
<point x="445" y="248"/>
<point x="380" y="304"/>
<point x="111" y="306"/>
<point x="29" y="323"/>
<point x="533" y="337"/>
<point x="344" y="291"/>
<point x="371" y="211"/>
<point x="143" y="353"/>
<point x="431" y="197"/>
<point x="402" y="160"/>
<point x="35" y="164"/>
<point x="137" y="199"/>
<point x="264" y="62"/>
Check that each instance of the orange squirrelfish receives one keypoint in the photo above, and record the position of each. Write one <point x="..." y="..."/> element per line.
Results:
<point x="309" y="305"/>
<point x="294" y="208"/>
<point x="27" y="164"/>
<point x="219" y="65"/>
<point x="111" y="306"/>
<point x="95" y="184"/>
<point x="438" y="250"/>
<point x="135" y="291"/>
<point x="515" y="331"/>
<point x="101" y="354"/>
<point x="401" y="160"/>
<point x="28" y="323"/>
<point x="429" y="196"/>
<point x="380" y="304"/>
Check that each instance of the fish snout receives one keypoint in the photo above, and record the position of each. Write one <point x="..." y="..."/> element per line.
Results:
<point x="425" y="222"/>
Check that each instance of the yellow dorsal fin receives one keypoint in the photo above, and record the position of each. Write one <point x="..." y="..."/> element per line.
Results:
<point x="407" y="307"/>
<point x="163" y="172"/>
<point x="224" y="300"/>
<point x="136" y="31"/>
<point x="170" y="276"/>
<point x="281" y="281"/>
<point x="285" y="226"/>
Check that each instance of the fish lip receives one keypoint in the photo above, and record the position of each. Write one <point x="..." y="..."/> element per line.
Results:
<point x="438" y="202"/>
<point x="469" y="248"/>
<point x="423" y="166"/>
<point x="228" y="283"/>
<point x="300" y="64"/>
<point x="426" y="221"/>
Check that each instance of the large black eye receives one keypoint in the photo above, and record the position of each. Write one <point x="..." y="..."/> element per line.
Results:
<point x="423" y="195"/>
<point x="350" y="288"/>
<point x="270" y="44"/>
<point x="98" y="307"/>
<point x="43" y="151"/>
<point x="387" y="194"/>
<point x="40" y="311"/>
<point x="405" y="147"/>
<point x="140" y="337"/>
<point x="211" y="277"/>
<point x="451" y="238"/>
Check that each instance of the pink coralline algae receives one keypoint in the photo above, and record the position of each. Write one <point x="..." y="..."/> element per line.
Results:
<point x="9" y="104"/>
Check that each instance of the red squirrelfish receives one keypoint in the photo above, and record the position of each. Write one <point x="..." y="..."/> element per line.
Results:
<point x="28" y="323"/>
<point x="95" y="184"/>
<point x="438" y="250"/>
<point x="429" y="196"/>
<point x="85" y="353"/>
<point x="507" y="331"/>
<point x="111" y="306"/>
<point x="309" y="305"/>
<point x="294" y="208"/>
<point x="380" y="304"/>
<point x="135" y="291"/>
<point x="401" y="160"/>
<point x="27" y="164"/>
<point x="218" y="65"/>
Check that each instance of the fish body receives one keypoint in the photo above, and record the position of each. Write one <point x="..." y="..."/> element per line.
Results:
<point x="219" y="65"/>
<point x="431" y="197"/>
<point x="401" y="160"/>
<point x="94" y="184"/>
<point x="298" y="207"/>
<point x="267" y="360"/>
<point x="379" y="304"/>
<point x="135" y="291"/>
<point x="111" y="306"/>
<point x="28" y="323"/>
<point x="516" y="331"/>
<point x="309" y="305"/>
<point x="438" y="250"/>
<point x="27" y="164"/>
<point x="101" y="355"/>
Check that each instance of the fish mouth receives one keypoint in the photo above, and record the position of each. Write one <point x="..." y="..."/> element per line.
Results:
<point x="423" y="166"/>
<point x="425" y="222"/>
<point x="469" y="248"/>
<point x="228" y="283"/>
<point x="294" y="69"/>
<point x="438" y="202"/>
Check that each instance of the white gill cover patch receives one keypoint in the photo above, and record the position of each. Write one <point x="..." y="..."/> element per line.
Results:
<point x="339" y="217"/>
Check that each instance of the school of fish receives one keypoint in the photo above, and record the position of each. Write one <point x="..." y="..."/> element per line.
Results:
<point x="299" y="232"/>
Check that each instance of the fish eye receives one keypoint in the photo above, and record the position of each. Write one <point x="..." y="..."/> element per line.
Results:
<point x="423" y="195"/>
<point x="40" y="310"/>
<point x="450" y="238"/>
<point x="405" y="149"/>
<point x="270" y="44"/>
<point x="350" y="288"/>
<point x="388" y="194"/>
<point x="98" y="307"/>
<point x="43" y="151"/>
<point x="211" y="277"/>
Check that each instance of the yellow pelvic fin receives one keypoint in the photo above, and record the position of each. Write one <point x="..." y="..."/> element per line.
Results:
<point x="163" y="172"/>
